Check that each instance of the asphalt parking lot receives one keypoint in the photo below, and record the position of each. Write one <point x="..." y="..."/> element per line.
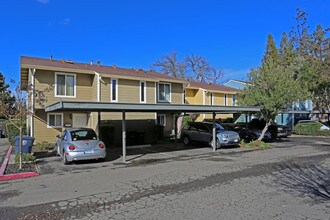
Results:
<point x="289" y="181"/>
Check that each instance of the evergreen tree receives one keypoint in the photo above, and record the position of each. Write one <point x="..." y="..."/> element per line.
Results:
<point x="286" y="53"/>
<point x="271" y="57"/>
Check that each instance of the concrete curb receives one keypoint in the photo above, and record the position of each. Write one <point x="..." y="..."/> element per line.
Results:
<point x="15" y="175"/>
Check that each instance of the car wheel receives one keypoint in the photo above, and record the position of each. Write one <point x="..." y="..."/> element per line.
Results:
<point x="58" y="151"/>
<point x="186" y="140"/>
<point x="65" y="160"/>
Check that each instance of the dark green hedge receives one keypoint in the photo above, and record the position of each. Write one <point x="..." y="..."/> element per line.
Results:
<point x="12" y="131"/>
<point x="310" y="129"/>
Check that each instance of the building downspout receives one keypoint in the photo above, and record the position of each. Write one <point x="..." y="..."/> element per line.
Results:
<point x="204" y="94"/>
<point x="32" y="72"/>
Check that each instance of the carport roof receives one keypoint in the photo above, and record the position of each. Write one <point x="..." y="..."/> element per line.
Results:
<point x="65" y="106"/>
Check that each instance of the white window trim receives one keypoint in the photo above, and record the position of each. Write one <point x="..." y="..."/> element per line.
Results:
<point x="234" y="101"/>
<point x="111" y="100"/>
<point x="164" y="90"/>
<point x="49" y="126"/>
<point x="164" y="115"/>
<point x="226" y="99"/>
<point x="74" y="85"/>
<point x="145" y="92"/>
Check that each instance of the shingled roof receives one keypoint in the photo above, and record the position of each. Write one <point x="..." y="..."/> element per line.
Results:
<point x="40" y="63"/>
<point x="211" y="87"/>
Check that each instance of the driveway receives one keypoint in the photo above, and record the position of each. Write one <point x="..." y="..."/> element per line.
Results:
<point x="288" y="181"/>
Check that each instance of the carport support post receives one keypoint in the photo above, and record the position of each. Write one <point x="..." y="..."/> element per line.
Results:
<point x="213" y="133"/>
<point x="175" y="129"/>
<point x="123" y="127"/>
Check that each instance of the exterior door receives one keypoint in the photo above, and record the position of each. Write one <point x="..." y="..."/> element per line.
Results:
<point x="79" y="120"/>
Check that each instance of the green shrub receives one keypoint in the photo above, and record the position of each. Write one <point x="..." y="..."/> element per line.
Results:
<point x="12" y="131"/>
<point x="43" y="146"/>
<point x="255" y="144"/>
<point x="25" y="158"/>
<point x="186" y="119"/>
<point x="312" y="129"/>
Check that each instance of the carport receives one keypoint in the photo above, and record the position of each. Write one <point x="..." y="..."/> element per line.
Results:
<point x="77" y="106"/>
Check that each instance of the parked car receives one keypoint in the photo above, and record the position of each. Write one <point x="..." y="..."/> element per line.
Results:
<point x="283" y="131"/>
<point x="202" y="132"/>
<point x="79" y="144"/>
<point x="323" y="127"/>
<point x="246" y="132"/>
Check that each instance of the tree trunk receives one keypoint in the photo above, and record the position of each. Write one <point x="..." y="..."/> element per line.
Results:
<point x="265" y="129"/>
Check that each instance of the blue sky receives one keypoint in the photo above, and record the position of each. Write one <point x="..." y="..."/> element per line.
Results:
<point x="230" y="34"/>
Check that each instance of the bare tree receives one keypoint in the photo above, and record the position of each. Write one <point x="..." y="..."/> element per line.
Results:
<point x="199" y="67"/>
<point x="16" y="110"/>
<point x="216" y="75"/>
<point x="169" y="65"/>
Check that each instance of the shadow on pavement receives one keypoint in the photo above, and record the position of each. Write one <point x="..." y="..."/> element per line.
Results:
<point x="311" y="180"/>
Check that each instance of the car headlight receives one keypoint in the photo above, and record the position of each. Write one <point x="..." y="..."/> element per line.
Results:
<point x="225" y="135"/>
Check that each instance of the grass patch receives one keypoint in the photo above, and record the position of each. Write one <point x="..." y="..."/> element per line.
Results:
<point x="255" y="144"/>
<point x="26" y="158"/>
<point x="43" y="146"/>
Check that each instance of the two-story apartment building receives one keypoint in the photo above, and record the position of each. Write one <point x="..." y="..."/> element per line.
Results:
<point x="200" y="93"/>
<point x="65" y="80"/>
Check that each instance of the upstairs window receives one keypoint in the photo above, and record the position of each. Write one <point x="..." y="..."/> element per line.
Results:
<point x="164" y="92"/>
<point x="211" y="98"/>
<point x="65" y="85"/>
<point x="114" y="90"/>
<point x="234" y="100"/>
<point x="226" y="99"/>
<point x="143" y="92"/>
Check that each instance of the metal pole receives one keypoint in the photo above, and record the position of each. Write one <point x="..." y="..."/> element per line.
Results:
<point x="123" y="126"/>
<point x="175" y="129"/>
<point x="213" y="132"/>
<point x="292" y="121"/>
<point x="98" y="123"/>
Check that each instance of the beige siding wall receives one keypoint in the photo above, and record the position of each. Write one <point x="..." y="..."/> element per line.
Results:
<point x="177" y="92"/>
<point x="94" y="88"/>
<point x="128" y="91"/>
<point x="84" y="91"/>
<point x="41" y="132"/>
<point x="129" y="116"/>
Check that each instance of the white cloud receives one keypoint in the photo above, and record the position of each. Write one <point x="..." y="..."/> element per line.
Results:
<point x="43" y="1"/>
<point x="66" y="21"/>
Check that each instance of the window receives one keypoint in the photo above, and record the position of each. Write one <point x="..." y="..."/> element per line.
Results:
<point x="184" y="97"/>
<point x="114" y="90"/>
<point x="225" y="99"/>
<point x="65" y="85"/>
<point x="161" y="119"/>
<point x="211" y="98"/>
<point x="143" y="92"/>
<point x="55" y="120"/>
<point x="164" y="92"/>
<point x="234" y="100"/>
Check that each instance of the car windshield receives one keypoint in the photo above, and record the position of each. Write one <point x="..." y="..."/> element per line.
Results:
<point x="83" y="135"/>
<point x="217" y="126"/>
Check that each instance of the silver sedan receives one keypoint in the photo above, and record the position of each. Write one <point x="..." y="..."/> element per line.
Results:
<point x="79" y="144"/>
